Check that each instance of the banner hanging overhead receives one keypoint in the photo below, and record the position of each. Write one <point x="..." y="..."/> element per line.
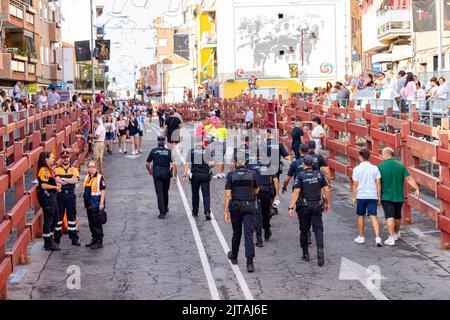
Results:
<point x="424" y="15"/>
<point x="82" y="50"/>
<point x="104" y="48"/>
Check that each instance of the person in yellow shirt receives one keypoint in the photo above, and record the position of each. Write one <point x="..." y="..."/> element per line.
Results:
<point x="220" y="135"/>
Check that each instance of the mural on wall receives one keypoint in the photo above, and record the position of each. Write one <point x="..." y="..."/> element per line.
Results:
<point x="269" y="38"/>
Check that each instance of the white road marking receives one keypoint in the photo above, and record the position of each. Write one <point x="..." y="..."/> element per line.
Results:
<point x="369" y="277"/>
<point x="417" y="232"/>
<point x="200" y="247"/>
<point x="237" y="272"/>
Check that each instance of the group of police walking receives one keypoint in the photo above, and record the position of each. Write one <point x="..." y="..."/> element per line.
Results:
<point x="252" y="189"/>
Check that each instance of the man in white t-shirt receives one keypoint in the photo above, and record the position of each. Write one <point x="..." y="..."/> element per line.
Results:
<point x="366" y="195"/>
<point x="317" y="134"/>
<point x="53" y="98"/>
<point x="99" y="143"/>
<point x="42" y="100"/>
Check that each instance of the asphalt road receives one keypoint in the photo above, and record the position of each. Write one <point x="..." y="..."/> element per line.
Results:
<point x="185" y="258"/>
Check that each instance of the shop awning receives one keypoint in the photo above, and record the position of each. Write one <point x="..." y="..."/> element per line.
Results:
<point x="398" y="4"/>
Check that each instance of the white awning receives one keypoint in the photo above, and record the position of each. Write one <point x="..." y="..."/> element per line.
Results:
<point x="382" y="57"/>
<point x="402" y="52"/>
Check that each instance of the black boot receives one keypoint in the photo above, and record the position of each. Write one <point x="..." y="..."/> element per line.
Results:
<point x="90" y="244"/>
<point x="267" y="234"/>
<point x="305" y="256"/>
<point x="97" y="245"/>
<point x="208" y="216"/>
<point x="259" y="241"/>
<point x="231" y="258"/>
<point x="250" y="266"/>
<point x="309" y="238"/>
<point x="162" y="216"/>
<point x="320" y="257"/>
<point x="49" y="245"/>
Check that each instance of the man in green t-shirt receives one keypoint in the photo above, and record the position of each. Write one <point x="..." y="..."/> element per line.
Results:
<point x="393" y="176"/>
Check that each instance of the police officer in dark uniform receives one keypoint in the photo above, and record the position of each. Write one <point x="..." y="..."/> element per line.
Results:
<point x="296" y="166"/>
<point x="266" y="178"/>
<point x="67" y="176"/>
<point x="241" y="190"/>
<point x="310" y="205"/>
<point x="320" y="164"/>
<point x="275" y="151"/>
<point x="243" y="148"/>
<point x="200" y="161"/>
<point x="163" y="169"/>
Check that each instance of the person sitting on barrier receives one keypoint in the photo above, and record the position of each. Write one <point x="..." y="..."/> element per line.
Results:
<point x="47" y="190"/>
<point x="393" y="177"/>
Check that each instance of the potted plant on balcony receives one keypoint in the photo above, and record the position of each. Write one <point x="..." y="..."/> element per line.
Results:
<point x="20" y="55"/>
<point x="32" y="57"/>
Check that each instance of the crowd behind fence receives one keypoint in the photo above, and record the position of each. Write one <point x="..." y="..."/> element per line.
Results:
<point x="23" y="136"/>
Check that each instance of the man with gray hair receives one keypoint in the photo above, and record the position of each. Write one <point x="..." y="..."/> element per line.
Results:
<point x="393" y="177"/>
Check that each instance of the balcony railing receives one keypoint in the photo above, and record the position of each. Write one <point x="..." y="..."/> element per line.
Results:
<point x="393" y="21"/>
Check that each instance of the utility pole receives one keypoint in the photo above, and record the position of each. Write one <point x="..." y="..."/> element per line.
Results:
<point x="92" y="52"/>
<point x="302" y="53"/>
<point x="440" y="9"/>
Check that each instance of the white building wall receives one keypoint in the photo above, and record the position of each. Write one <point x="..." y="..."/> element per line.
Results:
<point x="177" y="79"/>
<point x="226" y="34"/>
<point x="369" y="23"/>
<point x="69" y="68"/>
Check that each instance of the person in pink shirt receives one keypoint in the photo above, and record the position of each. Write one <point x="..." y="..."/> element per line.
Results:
<point x="409" y="90"/>
<point x="214" y="120"/>
<point x="200" y="129"/>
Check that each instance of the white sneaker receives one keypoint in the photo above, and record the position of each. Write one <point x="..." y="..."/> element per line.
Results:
<point x="224" y="175"/>
<point x="217" y="176"/>
<point x="397" y="236"/>
<point x="120" y="151"/>
<point x="390" y="241"/>
<point x="360" y="240"/>
<point x="378" y="242"/>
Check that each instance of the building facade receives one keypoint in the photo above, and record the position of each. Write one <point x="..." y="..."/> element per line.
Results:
<point x="31" y="49"/>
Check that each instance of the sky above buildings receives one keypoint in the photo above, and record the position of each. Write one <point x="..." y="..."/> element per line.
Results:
<point x="128" y="26"/>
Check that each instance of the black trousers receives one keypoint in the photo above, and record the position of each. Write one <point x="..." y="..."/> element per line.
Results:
<point x="50" y="212"/>
<point x="262" y="220"/>
<point x="67" y="203"/>
<point x="312" y="215"/>
<point x="245" y="216"/>
<point x="95" y="227"/>
<point x="201" y="181"/>
<point x="161" y="121"/>
<point x="161" y="179"/>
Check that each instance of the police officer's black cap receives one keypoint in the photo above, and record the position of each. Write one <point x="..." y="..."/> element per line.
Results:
<point x="65" y="154"/>
<point x="269" y="131"/>
<point x="161" y="139"/>
<point x="312" y="144"/>
<point x="308" y="161"/>
<point x="304" y="147"/>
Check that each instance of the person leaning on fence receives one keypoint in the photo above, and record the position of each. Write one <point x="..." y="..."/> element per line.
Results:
<point x="94" y="193"/>
<point x="47" y="190"/>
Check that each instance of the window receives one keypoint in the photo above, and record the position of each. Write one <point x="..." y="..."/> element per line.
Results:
<point x="42" y="55"/>
<point x="162" y="42"/>
<point x="30" y="18"/>
<point x="47" y="58"/>
<point x="18" y="66"/>
<point x="32" y="68"/>
<point x="15" y="12"/>
<point x="280" y="16"/>
<point x="54" y="56"/>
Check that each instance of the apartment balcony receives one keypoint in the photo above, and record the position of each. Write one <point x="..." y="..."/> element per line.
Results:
<point x="16" y="68"/>
<point x="393" y="23"/>
<point x="56" y="72"/>
<point x="55" y="31"/>
<point x="18" y="14"/>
